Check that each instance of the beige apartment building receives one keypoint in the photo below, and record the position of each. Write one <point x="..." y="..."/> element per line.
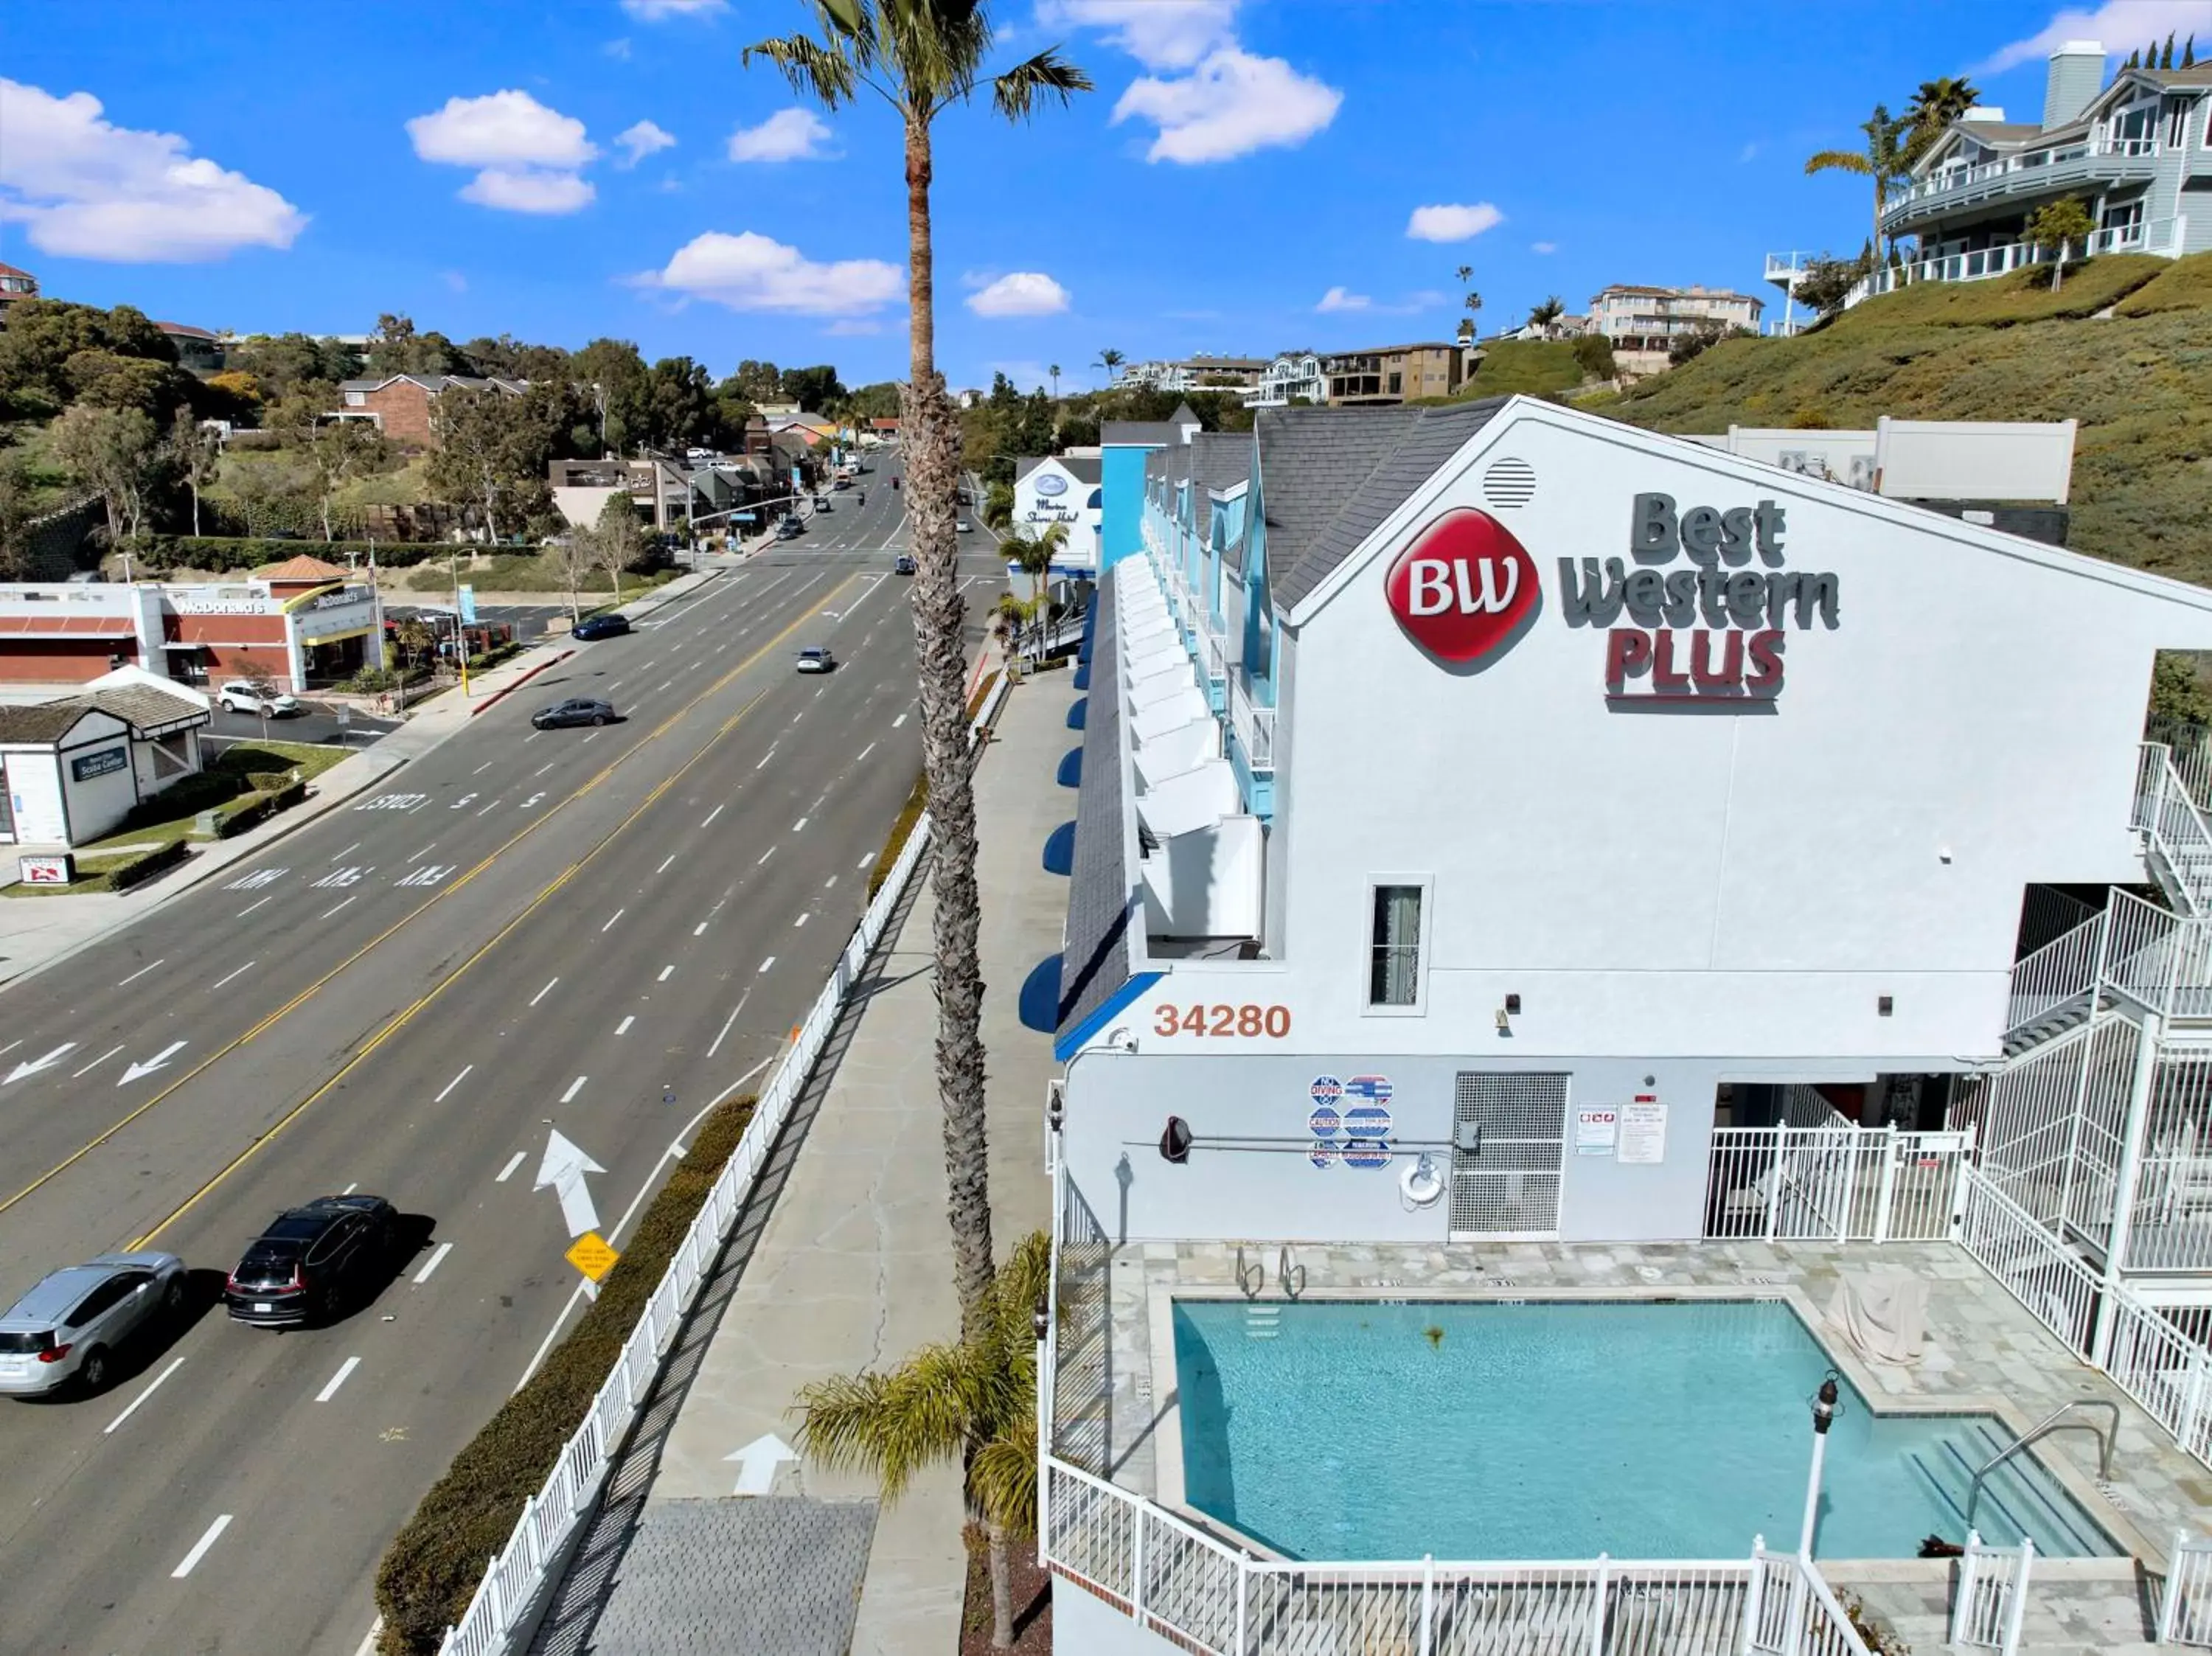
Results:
<point x="1375" y="376"/>
<point x="1642" y="324"/>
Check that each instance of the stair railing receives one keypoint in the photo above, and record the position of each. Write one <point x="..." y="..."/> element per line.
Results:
<point x="2176" y="828"/>
<point x="2056" y="1420"/>
<point x="1292" y="1274"/>
<point x="1250" y="1277"/>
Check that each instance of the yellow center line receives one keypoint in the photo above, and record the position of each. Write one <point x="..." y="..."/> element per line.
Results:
<point x="320" y="983"/>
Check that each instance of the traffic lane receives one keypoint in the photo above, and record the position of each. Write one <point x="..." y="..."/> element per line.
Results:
<point x="432" y="1140"/>
<point x="148" y="1150"/>
<point x="318" y="725"/>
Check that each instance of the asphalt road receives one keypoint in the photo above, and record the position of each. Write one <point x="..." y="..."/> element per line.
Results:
<point x="598" y="932"/>
<point x="318" y="723"/>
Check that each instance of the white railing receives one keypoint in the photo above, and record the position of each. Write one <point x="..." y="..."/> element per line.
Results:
<point x="2058" y="1290"/>
<point x="1841" y="1183"/>
<point x="2037" y="161"/>
<point x="516" y="1576"/>
<point x="2176" y="829"/>
<point x="2184" y="1606"/>
<point x="1173" y="1578"/>
<point x="1254" y="727"/>
<point x="2060" y="972"/>
<point x="2162" y="236"/>
<point x="2164" y="1370"/>
<point x="1217" y="657"/>
<point x="1992" y="1594"/>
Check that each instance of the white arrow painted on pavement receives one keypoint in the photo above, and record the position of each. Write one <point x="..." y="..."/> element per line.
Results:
<point x="562" y="1171"/>
<point x="47" y="1062"/>
<point x="757" y="1461"/>
<point x="151" y="1064"/>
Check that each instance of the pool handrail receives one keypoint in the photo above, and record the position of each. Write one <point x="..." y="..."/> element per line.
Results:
<point x="2056" y="1420"/>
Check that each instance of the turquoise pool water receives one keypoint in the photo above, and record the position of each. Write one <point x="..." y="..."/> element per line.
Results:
<point x="1562" y="1429"/>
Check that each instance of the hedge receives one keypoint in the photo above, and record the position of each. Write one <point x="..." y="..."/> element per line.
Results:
<point x="902" y="826"/>
<point x="141" y="869"/>
<point x="432" y="1567"/>
<point x="226" y="555"/>
<point x="256" y="808"/>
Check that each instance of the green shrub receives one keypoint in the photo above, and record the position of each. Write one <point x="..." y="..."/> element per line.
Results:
<point x="2001" y="302"/>
<point x="123" y="876"/>
<point x="203" y="791"/>
<point x="268" y="781"/>
<point x="902" y="826"/>
<point x="2185" y="284"/>
<point x="235" y="555"/>
<point x="433" y="1565"/>
<point x="251" y="810"/>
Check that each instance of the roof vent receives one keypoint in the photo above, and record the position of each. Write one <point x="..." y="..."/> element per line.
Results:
<point x="1509" y="484"/>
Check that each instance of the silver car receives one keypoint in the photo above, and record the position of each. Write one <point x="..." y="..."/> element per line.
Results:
<point x="69" y="1326"/>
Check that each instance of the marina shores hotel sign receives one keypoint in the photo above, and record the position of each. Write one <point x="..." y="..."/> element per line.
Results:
<point x="1698" y="608"/>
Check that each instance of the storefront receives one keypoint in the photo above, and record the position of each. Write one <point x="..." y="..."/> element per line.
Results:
<point x="1065" y="491"/>
<point x="1566" y="791"/>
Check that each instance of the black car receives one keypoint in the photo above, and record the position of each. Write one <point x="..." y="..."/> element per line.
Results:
<point x="576" y="710"/>
<point x="594" y="627"/>
<point x="312" y="1261"/>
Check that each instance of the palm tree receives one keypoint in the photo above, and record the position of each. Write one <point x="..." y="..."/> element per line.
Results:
<point x="972" y="1405"/>
<point x="1111" y="360"/>
<point x="1882" y="160"/>
<point x="1054" y="372"/>
<point x="1546" y="315"/>
<point x="922" y="57"/>
<point x="1936" y="104"/>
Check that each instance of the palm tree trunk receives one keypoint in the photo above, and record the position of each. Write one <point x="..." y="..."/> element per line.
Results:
<point x="1002" y="1588"/>
<point x="931" y="439"/>
<point x="195" y="508"/>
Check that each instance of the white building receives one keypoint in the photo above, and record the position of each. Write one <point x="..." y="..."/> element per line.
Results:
<point x="1064" y="490"/>
<point x="1525" y="778"/>
<point x="71" y="769"/>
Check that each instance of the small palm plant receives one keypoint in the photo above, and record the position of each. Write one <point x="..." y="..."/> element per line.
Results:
<point x="973" y="1404"/>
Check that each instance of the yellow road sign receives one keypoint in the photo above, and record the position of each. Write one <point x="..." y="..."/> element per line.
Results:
<point x="592" y="1256"/>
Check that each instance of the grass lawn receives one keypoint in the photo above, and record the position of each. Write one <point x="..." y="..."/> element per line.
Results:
<point x="236" y="763"/>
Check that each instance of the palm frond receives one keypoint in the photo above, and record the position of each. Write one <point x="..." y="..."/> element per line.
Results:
<point x="1002" y="1479"/>
<point x="928" y="1410"/>
<point x="824" y="73"/>
<point x="1016" y="93"/>
<point x="937" y="46"/>
<point x="1838" y="160"/>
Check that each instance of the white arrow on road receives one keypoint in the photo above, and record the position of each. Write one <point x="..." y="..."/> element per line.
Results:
<point x="151" y="1064"/>
<point x="562" y="1171"/>
<point x="47" y="1062"/>
<point x="757" y="1461"/>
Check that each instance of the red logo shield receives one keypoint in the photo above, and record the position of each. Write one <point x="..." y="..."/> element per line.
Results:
<point x="1463" y="587"/>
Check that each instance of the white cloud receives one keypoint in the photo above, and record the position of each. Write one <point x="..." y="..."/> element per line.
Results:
<point x="2121" y="25"/>
<point x="88" y="189"/>
<point x="655" y="11"/>
<point x="1231" y="104"/>
<point x="1448" y="222"/>
<point x="503" y="128"/>
<point x="1749" y="152"/>
<point x="1543" y="247"/>
<point x="529" y="190"/>
<point x="643" y="140"/>
<point x="1157" y="34"/>
<point x="618" y="49"/>
<point x="789" y="135"/>
<point x="456" y="281"/>
<point x="1342" y="298"/>
<point x="1022" y="292"/>
<point x="854" y="327"/>
<point x="750" y="272"/>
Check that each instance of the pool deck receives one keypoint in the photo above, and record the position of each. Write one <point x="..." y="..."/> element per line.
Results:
<point x="1983" y="1351"/>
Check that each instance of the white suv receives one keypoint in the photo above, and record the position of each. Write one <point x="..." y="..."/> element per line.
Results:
<point x="239" y="697"/>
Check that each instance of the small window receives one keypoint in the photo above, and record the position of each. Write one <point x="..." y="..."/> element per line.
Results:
<point x="1394" y="946"/>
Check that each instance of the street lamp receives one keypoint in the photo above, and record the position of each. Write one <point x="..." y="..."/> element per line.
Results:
<point x="1827" y="1406"/>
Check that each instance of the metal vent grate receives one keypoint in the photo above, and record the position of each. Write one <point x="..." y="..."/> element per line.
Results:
<point x="1510" y="1187"/>
<point x="1509" y="484"/>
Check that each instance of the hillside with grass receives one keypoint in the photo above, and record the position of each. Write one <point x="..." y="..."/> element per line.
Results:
<point x="2124" y="347"/>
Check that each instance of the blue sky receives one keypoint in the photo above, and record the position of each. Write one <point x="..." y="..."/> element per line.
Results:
<point x="1248" y="178"/>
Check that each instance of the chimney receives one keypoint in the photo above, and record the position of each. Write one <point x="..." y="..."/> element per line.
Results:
<point x="2076" y="76"/>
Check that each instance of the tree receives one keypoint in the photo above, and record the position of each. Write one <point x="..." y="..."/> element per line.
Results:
<point x="1546" y="315"/>
<point x="1690" y="346"/>
<point x="972" y="1405"/>
<point x="616" y="540"/>
<point x="1054" y="372"/>
<point x="999" y="506"/>
<point x="1935" y="105"/>
<point x="198" y="455"/>
<point x="335" y="451"/>
<point x="281" y="364"/>
<point x="1593" y="355"/>
<point x="16" y="515"/>
<point x="813" y="389"/>
<point x="107" y="380"/>
<point x="613" y="376"/>
<point x="577" y="553"/>
<point x="2055" y="226"/>
<point x="1883" y="160"/>
<point x="397" y="349"/>
<point x="44" y="334"/>
<point x="678" y="404"/>
<point x="509" y="358"/>
<point x="922" y="57"/>
<point x="488" y="457"/>
<point x="1827" y="281"/>
<point x="1076" y="431"/>
<point x="1111" y="360"/>
<point x="110" y="452"/>
<point x="728" y="418"/>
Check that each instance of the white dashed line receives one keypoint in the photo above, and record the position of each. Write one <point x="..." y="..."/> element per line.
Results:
<point x="900" y="720"/>
<point x="769" y="961"/>
<point x="542" y="769"/>
<point x="611" y="919"/>
<point x="700" y="930"/>
<point x="200" y="1547"/>
<point x="490" y="808"/>
<point x="575" y="1087"/>
<point x="865" y="860"/>
<point x="250" y="907"/>
<point x="142" y="972"/>
<point x="546" y="991"/>
<point x="512" y="1162"/>
<point x="351" y="1188"/>
<point x="800" y="827"/>
<point x="765" y="855"/>
<point x="97" y="1062"/>
<point x="711" y="816"/>
<point x="174" y="1364"/>
<point x="666" y="972"/>
<point x="347" y="852"/>
<point x="800" y="921"/>
<point x="240" y="973"/>
<point x="464" y="1076"/>
<point x="345" y="1370"/>
<point x="663" y="869"/>
<point x="437" y="1257"/>
<point x="481" y="768"/>
<point x="765" y="757"/>
<point x="622" y="1029"/>
<point x="418" y="856"/>
<point x="727" y="1021"/>
<point x="865" y="751"/>
<point x="329" y="912"/>
<point x="827" y="883"/>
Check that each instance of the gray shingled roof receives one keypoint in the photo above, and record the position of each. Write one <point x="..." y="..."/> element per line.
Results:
<point x="1158" y="433"/>
<point x="1094" y="961"/>
<point x="147" y="710"/>
<point x="1219" y="460"/>
<point x="43" y="721"/>
<point x="1084" y="468"/>
<point x="1327" y="476"/>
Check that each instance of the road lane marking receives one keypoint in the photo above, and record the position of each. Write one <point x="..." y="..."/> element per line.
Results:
<point x="512" y="1162"/>
<point x="593" y="737"/>
<point x="800" y="827"/>
<point x="769" y="961"/>
<point x="175" y="1363"/>
<point x="711" y="814"/>
<point x="348" y="852"/>
<point x="97" y="1062"/>
<point x="728" y="1020"/>
<point x="200" y="1547"/>
<point x="666" y="972"/>
<point x="437" y="1257"/>
<point x="575" y="1087"/>
<point x="546" y="766"/>
<point x="622" y="1029"/>
<point x="700" y="930"/>
<point x="611" y="919"/>
<point x="900" y="720"/>
<point x="865" y="751"/>
<point x="417" y="857"/>
<point x="765" y="855"/>
<point x="827" y="883"/>
<point x="546" y="991"/>
<point x="345" y="1372"/>
<point x="240" y="973"/>
<point x="765" y="757"/>
<point x="250" y="907"/>
<point x="800" y="921"/>
<point x="490" y="808"/>
<point x="329" y="912"/>
<point x="465" y="1068"/>
<point x="351" y="1188"/>
<point x="488" y="764"/>
<point x="142" y="972"/>
<point x="865" y="860"/>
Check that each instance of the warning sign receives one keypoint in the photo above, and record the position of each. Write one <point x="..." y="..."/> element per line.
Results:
<point x="592" y="1256"/>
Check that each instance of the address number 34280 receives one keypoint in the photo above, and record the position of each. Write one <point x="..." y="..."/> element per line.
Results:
<point x="1247" y="1021"/>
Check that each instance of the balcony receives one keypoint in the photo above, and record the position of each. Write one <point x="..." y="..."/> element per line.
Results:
<point x="2159" y="236"/>
<point x="2034" y="172"/>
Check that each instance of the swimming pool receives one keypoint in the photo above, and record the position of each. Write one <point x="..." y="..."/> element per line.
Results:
<point x="1560" y="1429"/>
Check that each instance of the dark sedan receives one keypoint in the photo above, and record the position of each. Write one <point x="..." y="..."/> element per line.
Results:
<point x="313" y="1261"/>
<point x="576" y="710"/>
<point x="594" y="627"/>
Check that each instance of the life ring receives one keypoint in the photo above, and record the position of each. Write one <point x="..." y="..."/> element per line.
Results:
<point x="1421" y="1184"/>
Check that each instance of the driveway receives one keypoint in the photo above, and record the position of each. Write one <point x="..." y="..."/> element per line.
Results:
<point x="319" y="723"/>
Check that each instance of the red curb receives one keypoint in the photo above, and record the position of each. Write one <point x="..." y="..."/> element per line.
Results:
<point x="493" y="699"/>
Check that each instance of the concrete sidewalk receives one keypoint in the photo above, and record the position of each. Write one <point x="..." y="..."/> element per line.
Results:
<point x="37" y="931"/>
<point x="842" y="1261"/>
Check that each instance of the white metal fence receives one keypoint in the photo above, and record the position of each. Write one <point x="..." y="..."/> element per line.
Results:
<point x="514" y="1579"/>
<point x="1838" y="1184"/>
<point x="1992" y="1594"/>
<point x="2185" y="1607"/>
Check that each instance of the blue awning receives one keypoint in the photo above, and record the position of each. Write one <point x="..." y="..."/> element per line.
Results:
<point x="1060" y="850"/>
<point x="1040" y="999"/>
<point x="1076" y="713"/>
<point x="1083" y="676"/>
<point x="1070" y="774"/>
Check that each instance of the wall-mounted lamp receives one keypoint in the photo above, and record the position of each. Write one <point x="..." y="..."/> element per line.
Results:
<point x="1175" y="1142"/>
<point x="1120" y="1039"/>
<point x="1943" y="854"/>
<point x="1513" y="1005"/>
<point x="1884" y="1006"/>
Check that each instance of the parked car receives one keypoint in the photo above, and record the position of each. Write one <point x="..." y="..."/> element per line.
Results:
<point x="67" y="1328"/>
<point x="576" y="710"/>
<point x="817" y="659"/>
<point x="789" y="529"/>
<point x="238" y="697"/>
<point x="594" y="627"/>
<point x="311" y="1261"/>
<point x="905" y="566"/>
